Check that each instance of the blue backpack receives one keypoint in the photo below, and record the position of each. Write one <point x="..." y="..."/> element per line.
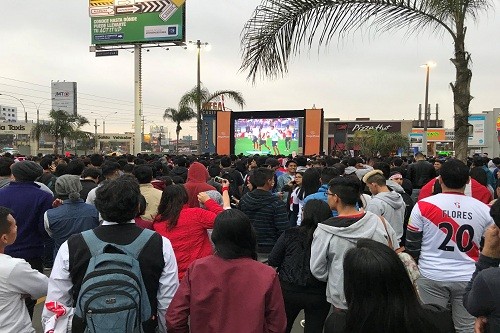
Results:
<point x="113" y="298"/>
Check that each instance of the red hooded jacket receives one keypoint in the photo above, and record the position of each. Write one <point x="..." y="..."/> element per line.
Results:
<point x="196" y="183"/>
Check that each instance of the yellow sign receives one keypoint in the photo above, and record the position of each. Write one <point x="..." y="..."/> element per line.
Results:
<point x="178" y="3"/>
<point x="101" y="3"/>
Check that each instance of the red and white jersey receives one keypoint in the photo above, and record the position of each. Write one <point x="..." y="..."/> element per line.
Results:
<point x="452" y="226"/>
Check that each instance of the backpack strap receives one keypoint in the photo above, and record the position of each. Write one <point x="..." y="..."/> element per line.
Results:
<point x="96" y="246"/>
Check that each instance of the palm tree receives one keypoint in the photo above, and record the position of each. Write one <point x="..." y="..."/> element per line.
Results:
<point x="61" y="126"/>
<point x="182" y="114"/>
<point x="383" y="143"/>
<point x="192" y="99"/>
<point x="278" y="28"/>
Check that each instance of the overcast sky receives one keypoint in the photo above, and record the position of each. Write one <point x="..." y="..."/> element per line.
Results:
<point x="376" y="77"/>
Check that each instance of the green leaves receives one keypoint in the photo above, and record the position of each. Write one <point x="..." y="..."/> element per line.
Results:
<point x="373" y="142"/>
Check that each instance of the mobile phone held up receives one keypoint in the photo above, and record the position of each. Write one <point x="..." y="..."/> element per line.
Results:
<point x="219" y="179"/>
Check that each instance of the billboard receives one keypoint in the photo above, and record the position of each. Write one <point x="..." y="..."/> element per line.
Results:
<point x="433" y="134"/>
<point x="64" y="97"/>
<point x="477" y="138"/>
<point x="115" y="22"/>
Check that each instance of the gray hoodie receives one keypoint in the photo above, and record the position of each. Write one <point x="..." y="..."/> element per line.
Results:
<point x="391" y="206"/>
<point x="332" y="239"/>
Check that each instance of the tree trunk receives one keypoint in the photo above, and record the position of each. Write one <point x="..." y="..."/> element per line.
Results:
<point x="461" y="95"/>
<point x="177" y="142"/>
<point x="56" y="145"/>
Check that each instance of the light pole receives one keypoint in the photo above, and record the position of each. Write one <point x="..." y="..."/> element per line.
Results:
<point x="427" y="67"/>
<point x="198" y="45"/>
<point x="104" y="120"/>
<point x="20" y="101"/>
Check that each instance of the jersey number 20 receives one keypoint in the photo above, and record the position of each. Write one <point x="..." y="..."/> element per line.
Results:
<point x="464" y="243"/>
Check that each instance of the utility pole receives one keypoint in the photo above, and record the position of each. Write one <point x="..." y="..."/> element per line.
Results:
<point x="137" y="98"/>
<point x="95" y="137"/>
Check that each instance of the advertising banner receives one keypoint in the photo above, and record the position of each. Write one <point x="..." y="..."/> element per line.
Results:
<point x="207" y="138"/>
<point x="64" y="97"/>
<point x="223" y="133"/>
<point x="313" y="137"/>
<point x="477" y="138"/>
<point x="433" y="134"/>
<point x="133" y="21"/>
<point x="416" y="140"/>
<point x="363" y="126"/>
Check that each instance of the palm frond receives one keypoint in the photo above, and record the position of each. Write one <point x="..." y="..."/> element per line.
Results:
<point x="280" y="28"/>
<point x="236" y="96"/>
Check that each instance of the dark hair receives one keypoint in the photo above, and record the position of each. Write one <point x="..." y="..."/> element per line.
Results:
<point x="225" y="161"/>
<point x="477" y="161"/>
<point x="310" y="183"/>
<point x="290" y="161"/>
<point x="351" y="161"/>
<point x="376" y="178"/>
<point x="117" y="200"/>
<point x="143" y="173"/>
<point x="384" y="167"/>
<point x="181" y="161"/>
<point x="495" y="212"/>
<point x="109" y="168"/>
<point x="173" y="198"/>
<point x="328" y="174"/>
<point x="46" y="162"/>
<point x="387" y="299"/>
<point x="75" y="167"/>
<point x="480" y="175"/>
<point x="214" y="170"/>
<point x="96" y="160"/>
<point x="60" y="169"/>
<point x="260" y="176"/>
<point x="142" y="205"/>
<point x="91" y="172"/>
<point x="5" y="164"/>
<point x="346" y="188"/>
<point x="234" y="236"/>
<point x="315" y="211"/>
<point x="454" y="174"/>
<point x="4" y="224"/>
<point x="397" y="161"/>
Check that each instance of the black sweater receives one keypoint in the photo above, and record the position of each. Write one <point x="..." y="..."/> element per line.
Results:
<point x="482" y="295"/>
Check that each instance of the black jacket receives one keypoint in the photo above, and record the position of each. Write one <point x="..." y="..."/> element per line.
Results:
<point x="268" y="215"/>
<point x="420" y="173"/>
<point x="291" y="256"/>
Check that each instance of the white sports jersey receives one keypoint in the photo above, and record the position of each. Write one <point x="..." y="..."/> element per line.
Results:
<point x="452" y="227"/>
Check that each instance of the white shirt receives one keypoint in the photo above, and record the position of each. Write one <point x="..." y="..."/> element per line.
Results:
<point x="452" y="227"/>
<point x="60" y="281"/>
<point x="17" y="278"/>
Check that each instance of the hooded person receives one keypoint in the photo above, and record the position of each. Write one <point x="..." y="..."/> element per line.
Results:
<point x="335" y="236"/>
<point x="73" y="216"/>
<point x="197" y="178"/>
<point x="385" y="203"/>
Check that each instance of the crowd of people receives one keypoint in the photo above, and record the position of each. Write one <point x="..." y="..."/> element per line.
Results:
<point x="243" y="244"/>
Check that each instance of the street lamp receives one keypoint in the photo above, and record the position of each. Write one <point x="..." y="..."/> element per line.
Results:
<point x="20" y="101"/>
<point x="198" y="45"/>
<point x="104" y="120"/>
<point x="427" y="67"/>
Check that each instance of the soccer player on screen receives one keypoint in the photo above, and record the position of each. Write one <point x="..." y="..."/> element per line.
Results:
<point x="275" y="136"/>
<point x="263" y="138"/>
<point x="288" y="138"/>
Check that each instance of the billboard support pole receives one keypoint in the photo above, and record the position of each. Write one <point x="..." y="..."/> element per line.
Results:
<point x="137" y="99"/>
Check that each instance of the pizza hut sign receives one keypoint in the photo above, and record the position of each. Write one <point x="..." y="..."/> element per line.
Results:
<point x="354" y="127"/>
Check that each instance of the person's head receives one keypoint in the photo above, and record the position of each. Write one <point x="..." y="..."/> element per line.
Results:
<point x="26" y="171"/>
<point x="310" y="182"/>
<point x="5" y="163"/>
<point x="96" y="160"/>
<point x="68" y="187"/>
<point x="343" y="191"/>
<point x="479" y="175"/>
<point x="181" y="161"/>
<point x="378" y="289"/>
<point x="142" y="206"/>
<point x="143" y="173"/>
<point x="118" y="199"/>
<point x="75" y="167"/>
<point x="477" y="161"/>
<point x="375" y="181"/>
<point x="263" y="178"/>
<point x="272" y="163"/>
<point x="214" y="170"/>
<point x="8" y="227"/>
<point x="496" y="161"/>
<point x="291" y="166"/>
<point x="438" y="164"/>
<point x="298" y="178"/>
<point x="495" y="212"/>
<point x="233" y="235"/>
<point x="384" y="167"/>
<point x="328" y="174"/>
<point x="46" y="163"/>
<point x="173" y="198"/>
<point x="91" y="173"/>
<point x="419" y="156"/>
<point x="315" y="211"/>
<point x="225" y="162"/>
<point x="454" y="175"/>
<point x="397" y="162"/>
<point x="397" y="178"/>
<point x="351" y="162"/>
<point x="110" y="170"/>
